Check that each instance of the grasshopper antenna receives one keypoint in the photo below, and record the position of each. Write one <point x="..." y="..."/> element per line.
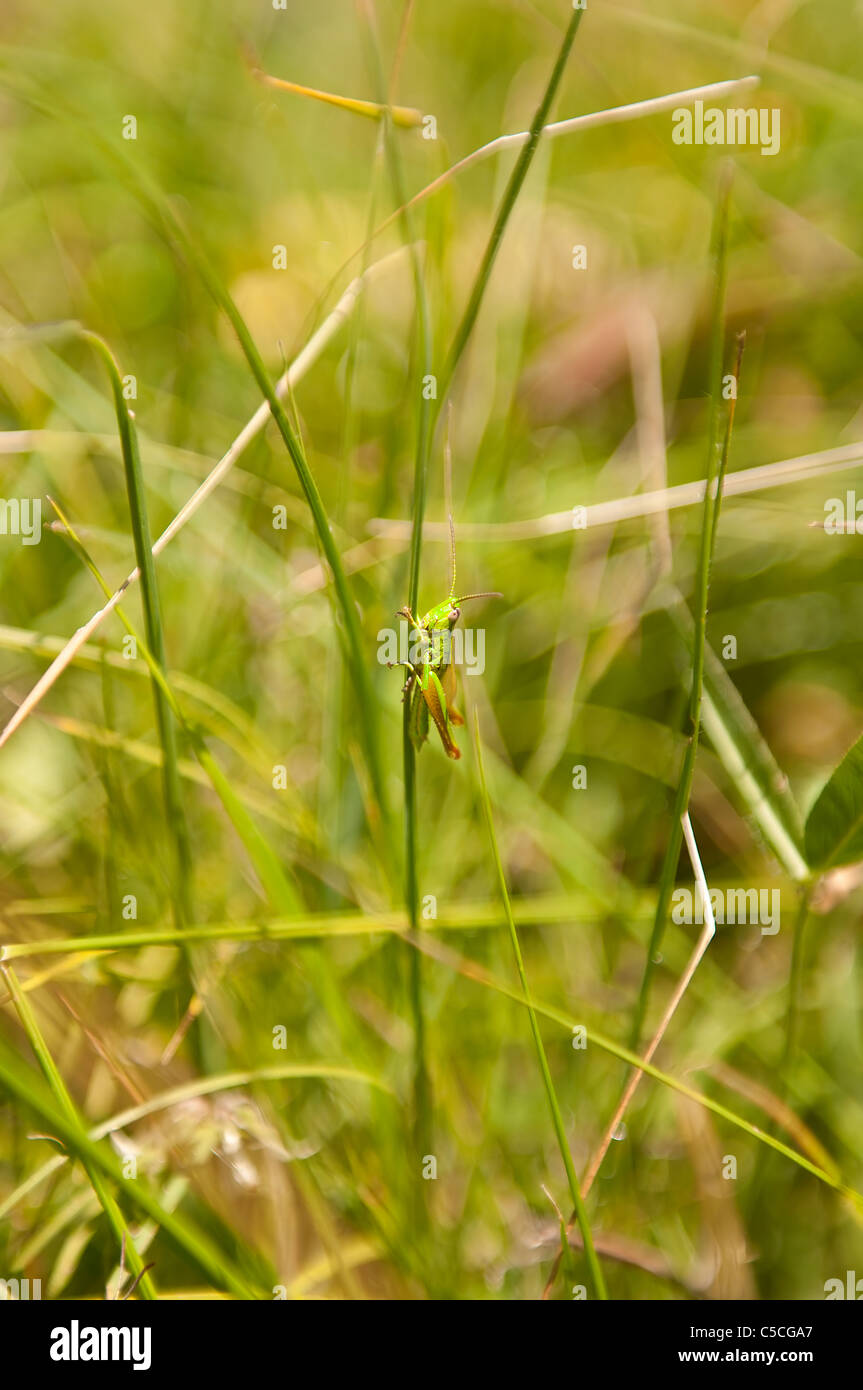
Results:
<point x="447" y="484"/>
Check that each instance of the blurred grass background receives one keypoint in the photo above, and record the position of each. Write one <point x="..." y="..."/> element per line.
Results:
<point x="315" y="1184"/>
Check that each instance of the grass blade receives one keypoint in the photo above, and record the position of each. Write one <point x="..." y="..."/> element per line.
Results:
<point x="717" y="460"/>
<point x="557" y="1118"/>
<point x="422" y="1137"/>
<point x="366" y="703"/>
<point x="472" y="970"/>
<point x="193" y="1242"/>
<point x="55" y="1081"/>
<point x="174" y="812"/>
<point x="513" y="188"/>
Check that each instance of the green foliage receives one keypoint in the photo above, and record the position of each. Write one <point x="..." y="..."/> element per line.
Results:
<point x="834" y="827"/>
<point x="246" y="932"/>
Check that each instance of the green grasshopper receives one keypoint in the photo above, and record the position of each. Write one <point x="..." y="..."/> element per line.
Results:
<point x="431" y="684"/>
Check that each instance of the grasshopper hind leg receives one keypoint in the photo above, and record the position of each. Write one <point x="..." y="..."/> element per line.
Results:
<point x="448" y="683"/>
<point x="436" y="702"/>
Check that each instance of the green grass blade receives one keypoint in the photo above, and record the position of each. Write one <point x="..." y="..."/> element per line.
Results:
<point x="281" y="893"/>
<point x="174" y="811"/>
<point x="745" y="755"/>
<point x="557" y="1119"/>
<point x="834" y="826"/>
<point x="366" y="702"/>
<point x="717" y="459"/>
<point x="276" y="884"/>
<point x="472" y="970"/>
<point x="513" y="188"/>
<point x="184" y="1233"/>
<point x="424" y="407"/>
<point x="168" y="220"/>
<point x="189" y="1090"/>
<point x="58" y="1088"/>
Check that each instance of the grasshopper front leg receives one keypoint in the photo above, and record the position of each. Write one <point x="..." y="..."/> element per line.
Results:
<point x="412" y="690"/>
<point x="413" y="677"/>
<point x="406" y="613"/>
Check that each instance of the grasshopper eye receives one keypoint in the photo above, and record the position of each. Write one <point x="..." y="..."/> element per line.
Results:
<point x="455" y="614"/>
